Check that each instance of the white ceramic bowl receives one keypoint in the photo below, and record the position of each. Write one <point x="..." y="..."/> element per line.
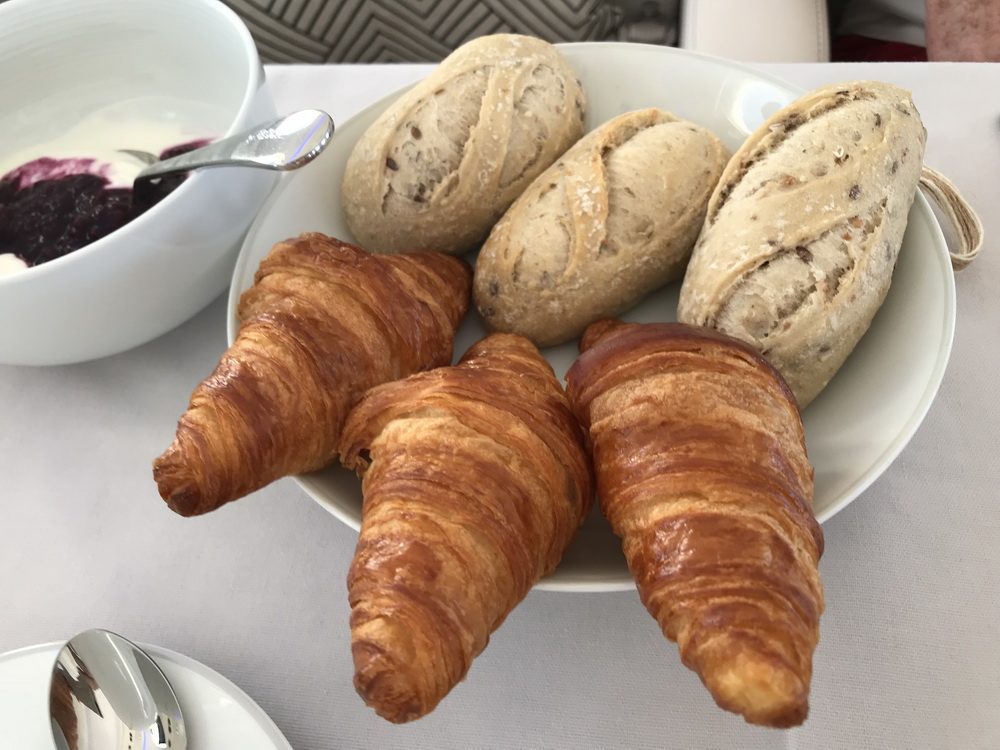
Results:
<point x="854" y="429"/>
<point x="189" y="63"/>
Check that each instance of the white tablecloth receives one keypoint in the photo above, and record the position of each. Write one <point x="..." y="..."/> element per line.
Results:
<point x="909" y="653"/>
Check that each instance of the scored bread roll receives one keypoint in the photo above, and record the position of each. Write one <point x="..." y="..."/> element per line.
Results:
<point x="612" y="220"/>
<point x="445" y="160"/>
<point x="804" y="229"/>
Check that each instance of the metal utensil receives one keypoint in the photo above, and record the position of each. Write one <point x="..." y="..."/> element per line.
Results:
<point x="106" y="693"/>
<point x="285" y="143"/>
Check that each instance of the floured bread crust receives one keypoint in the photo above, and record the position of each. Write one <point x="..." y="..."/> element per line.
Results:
<point x="442" y="164"/>
<point x="615" y="218"/>
<point x="804" y="229"/>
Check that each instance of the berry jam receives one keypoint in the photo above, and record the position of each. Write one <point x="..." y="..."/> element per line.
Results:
<point x="51" y="207"/>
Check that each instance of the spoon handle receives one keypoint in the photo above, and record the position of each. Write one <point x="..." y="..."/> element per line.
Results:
<point x="285" y="143"/>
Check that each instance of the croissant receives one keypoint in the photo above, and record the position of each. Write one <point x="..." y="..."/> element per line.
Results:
<point x="475" y="480"/>
<point x="323" y="322"/>
<point x="701" y="469"/>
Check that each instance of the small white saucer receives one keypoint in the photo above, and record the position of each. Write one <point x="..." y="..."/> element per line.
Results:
<point x="217" y="714"/>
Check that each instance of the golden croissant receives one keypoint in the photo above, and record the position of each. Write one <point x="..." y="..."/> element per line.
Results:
<point x="701" y="469"/>
<point x="323" y="322"/>
<point x="475" y="480"/>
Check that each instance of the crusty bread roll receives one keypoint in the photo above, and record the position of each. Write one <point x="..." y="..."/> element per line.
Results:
<point x="615" y="218"/>
<point x="804" y="228"/>
<point x="444" y="161"/>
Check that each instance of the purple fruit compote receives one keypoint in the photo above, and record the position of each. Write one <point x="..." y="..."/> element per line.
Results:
<point x="51" y="207"/>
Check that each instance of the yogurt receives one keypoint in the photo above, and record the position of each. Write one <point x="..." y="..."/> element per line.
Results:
<point x="10" y="263"/>
<point x="61" y="194"/>
<point x="99" y="136"/>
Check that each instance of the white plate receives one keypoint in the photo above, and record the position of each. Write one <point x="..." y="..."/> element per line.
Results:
<point x="856" y="427"/>
<point x="217" y="714"/>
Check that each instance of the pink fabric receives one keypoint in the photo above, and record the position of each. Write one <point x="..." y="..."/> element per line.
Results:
<point x="857" y="48"/>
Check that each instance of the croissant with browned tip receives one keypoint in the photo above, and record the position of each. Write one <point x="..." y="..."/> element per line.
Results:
<point x="323" y="322"/>
<point x="701" y="469"/>
<point x="475" y="480"/>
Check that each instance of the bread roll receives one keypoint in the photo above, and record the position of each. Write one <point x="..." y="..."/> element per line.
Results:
<point x="441" y="164"/>
<point x="804" y="229"/>
<point x="615" y="218"/>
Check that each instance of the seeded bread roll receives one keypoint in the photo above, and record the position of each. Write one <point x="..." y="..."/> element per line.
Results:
<point x="804" y="229"/>
<point x="438" y="168"/>
<point x="615" y="218"/>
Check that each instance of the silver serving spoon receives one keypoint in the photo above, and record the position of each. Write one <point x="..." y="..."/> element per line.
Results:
<point x="285" y="143"/>
<point x="107" y="694"/>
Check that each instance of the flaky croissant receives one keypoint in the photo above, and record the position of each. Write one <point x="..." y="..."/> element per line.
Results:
<point x="323" y="322"/>
<point x="475" y="480"/>
<point x="701" y="469"/>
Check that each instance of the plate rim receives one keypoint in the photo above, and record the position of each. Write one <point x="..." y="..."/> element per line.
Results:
<point x="249" y="706"/>
<point x="922" y="206"/>
<point x="310" y="482"/>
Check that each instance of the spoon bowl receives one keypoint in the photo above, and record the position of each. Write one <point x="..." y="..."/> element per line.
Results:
<point x="107" y="693"/>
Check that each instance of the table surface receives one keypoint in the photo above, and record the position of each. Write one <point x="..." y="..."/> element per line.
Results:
<point x="908" y="655"/>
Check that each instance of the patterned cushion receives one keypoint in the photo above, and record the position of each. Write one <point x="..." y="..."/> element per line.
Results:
<point x="317" y="31"/>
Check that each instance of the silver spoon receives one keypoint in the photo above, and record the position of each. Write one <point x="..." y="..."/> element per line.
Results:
<point x="106" y="693"/>
<point x="285" y="143"/>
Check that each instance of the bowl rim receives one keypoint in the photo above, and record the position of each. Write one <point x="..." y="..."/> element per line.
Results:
<point x="254" y="78"/>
